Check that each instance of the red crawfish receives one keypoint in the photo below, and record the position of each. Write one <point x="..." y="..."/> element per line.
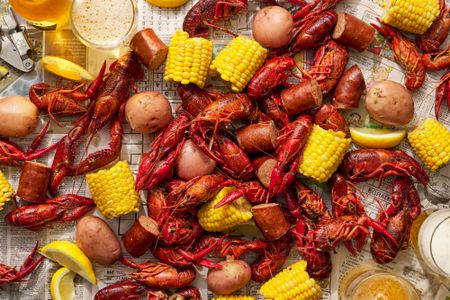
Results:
<point x="179" y="230"/>
<point x="292" y="139"/>
<point x="271" y="260"/>
<point x="328" y="117"/>
<point x="225" y="245"/>
<point x="159" y="275"/>
<point x="406" y="54"/>
<point x="64" y="101"/>
<point x="433" y="38"/>
<point x="9" y="274"/>
<point x="364" y="164"/>
<point x="124" y="289"/>
<point x="194" y="99"/>
<point x="442" y="93"/>
<point x="156" y="203"/>
<point x="306" y="203"/>
<point x="397" y="219"/>
<point x="272" y="106"/>
<point x="274" y="72"/>
<point x="438" y="60"/>
<point x="63" y="208"/>
<point x="189" y="293"/>
<point x="345" y="201"/>
<point x="252" y="191"/>
<point x="328" y="65"/>
<point x="206" y="12"/>
<point x="182" y="258"/>
<point x="158" y="162"/>
<point x="12" y="154"/>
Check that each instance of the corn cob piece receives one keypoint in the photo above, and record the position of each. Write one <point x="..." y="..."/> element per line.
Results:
<point x="188" y="59"/>
<point x="415" y="16"/>
<point x="323" y="153"/>
<point x="6" y="190"/>
<point x="431" y="142"/>
<point x="239" y="61"/>
<point x="222" y="218"/>
<point x="113" y="190"/>
<point x="234" y="297"/>
<point x="293" y="283"/>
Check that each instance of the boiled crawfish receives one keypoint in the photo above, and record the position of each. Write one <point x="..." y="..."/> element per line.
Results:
<point x="442" y="93"/>
<point x="438" y="60"/>
<point x="328" y="117"/>
<point x="63" y="208"/>
<point x="252" y="191"/>
<point x="406" y="54"/>
<point x="271" y="260"/>
<point x="160" y="275"/>
<point x="12" y="154"/>
<point x="397" y="219"/>
<point x="194" y="99"/>
<point x="9" y="274"/>
<point x="432" y="39"/>
<point x="364" y="164"/>
<point x="206" y="12"/>
<point x="272" y="106"/>
<point x="124" y="289"/>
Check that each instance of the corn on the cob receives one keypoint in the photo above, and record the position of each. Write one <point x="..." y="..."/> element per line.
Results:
<point x="323" y="153"/>
<point x="6" y="190"/>
<point x="188" y="59"/>
<point x="415" y="16"/>
<point x="293" y="283"/>
<point x="113" y="190"/>
<point x="239" y="61"/>
<point x="234" y="297"/>
<point x="431" y="142"/>
<point x="222" y="218"/>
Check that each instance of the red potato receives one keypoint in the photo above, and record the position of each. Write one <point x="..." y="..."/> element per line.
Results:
<point x="349" y="89"/>
<point x="233" y="276"/>
<point x="34" y="182"/>
<point x="301" y="97"/>
<point x="148" y="112"/>
<point x="353" y="32"/>
<point x="149" y="48"/>
<point x="192" y="162"/>
<point x="258" y="137"/>
<point x="272" y="26"/>
<point x="19" y="116"/>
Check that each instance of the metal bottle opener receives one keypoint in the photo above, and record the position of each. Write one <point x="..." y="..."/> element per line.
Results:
<point x="14" y="45"/>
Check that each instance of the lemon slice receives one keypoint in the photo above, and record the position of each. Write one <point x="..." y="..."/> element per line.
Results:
<point x="376" y="137"/>
<point x="65" y="69"/>
<point x="62" y="287"/>
<point x="68" y="255"/>
<point x="167" y="3"/>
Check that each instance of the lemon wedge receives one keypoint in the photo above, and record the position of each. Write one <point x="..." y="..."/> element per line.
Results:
<point x="65" y="68"/>
<point x="68" y="255"/>
<point x="62" y="287"/>
<point x="376" y="137"/>
<point x="167" y="3"/>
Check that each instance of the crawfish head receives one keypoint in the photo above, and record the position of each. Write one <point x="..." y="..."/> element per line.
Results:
<point x="271" y="260"/>
<point x="328" y="117"/>
<point x="121" y="290"/>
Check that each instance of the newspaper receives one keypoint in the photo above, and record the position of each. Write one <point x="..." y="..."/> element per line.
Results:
<point x="376" y="64"/>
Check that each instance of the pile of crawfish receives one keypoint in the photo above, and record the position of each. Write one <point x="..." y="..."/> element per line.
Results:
<point x="212" y="120"/>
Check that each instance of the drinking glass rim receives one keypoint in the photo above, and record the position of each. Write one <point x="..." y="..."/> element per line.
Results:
<point x="102" y="46"/>
<point x="431" y="249"/>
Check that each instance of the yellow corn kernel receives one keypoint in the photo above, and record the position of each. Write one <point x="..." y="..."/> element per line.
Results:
<point x="6" y="190"/>
<point x="324" y="151"/>
<point x="431" y="142"/>
<point x="188" y="59"/>
<point x="293" y="283"/>
<point x="234" y="297"/>
<point x="415" y="16"/>
<point x="225" y="217"/>
<point x="239" y="61"/>
<point x="113" y="190"/>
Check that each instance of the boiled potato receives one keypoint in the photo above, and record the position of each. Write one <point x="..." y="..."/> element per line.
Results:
<point x="19" y="116"/>
<point x="148" y="112"/>
<point x="390" y="103"/>
<point x="193" y="162"/>
<point x="233" y="276"/>
<point x="97" y="240"/>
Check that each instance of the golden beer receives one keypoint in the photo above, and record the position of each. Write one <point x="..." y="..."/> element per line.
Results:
<point x="43" y="13"/>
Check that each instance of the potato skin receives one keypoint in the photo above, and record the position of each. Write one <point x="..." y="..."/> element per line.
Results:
<point x="193" y="162"/>
<point x="97" y="240"/>
<point x="148" y="112"/>
<point x="390" y="103"/>
<point x="233" y="276"/>
<point x="19" y="116"/>
<point x="272" y="26"/>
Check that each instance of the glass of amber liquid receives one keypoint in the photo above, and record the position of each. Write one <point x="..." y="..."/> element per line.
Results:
<point x="44" y="14"/>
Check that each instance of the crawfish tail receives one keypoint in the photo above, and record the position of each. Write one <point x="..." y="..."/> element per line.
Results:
<point x="189" y="293"/>
<point x="433" y="38"/>
<point x="34" y="217"/>
<point x="121" y="290"/>
<point x="72" y="207"/>
<point x="162" y="276"/>
<point x="194" y="99"/>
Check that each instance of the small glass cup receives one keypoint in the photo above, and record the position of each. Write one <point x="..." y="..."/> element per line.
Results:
<point x="371" y="282"/>
<point x="103" y="25"/>
<point x="43" y="14"/>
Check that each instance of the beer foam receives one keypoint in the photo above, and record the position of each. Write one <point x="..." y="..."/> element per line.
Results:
<point x="102" y="22"/>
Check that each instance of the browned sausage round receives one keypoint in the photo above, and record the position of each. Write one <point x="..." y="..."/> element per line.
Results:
<point x="349" y="89"/>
